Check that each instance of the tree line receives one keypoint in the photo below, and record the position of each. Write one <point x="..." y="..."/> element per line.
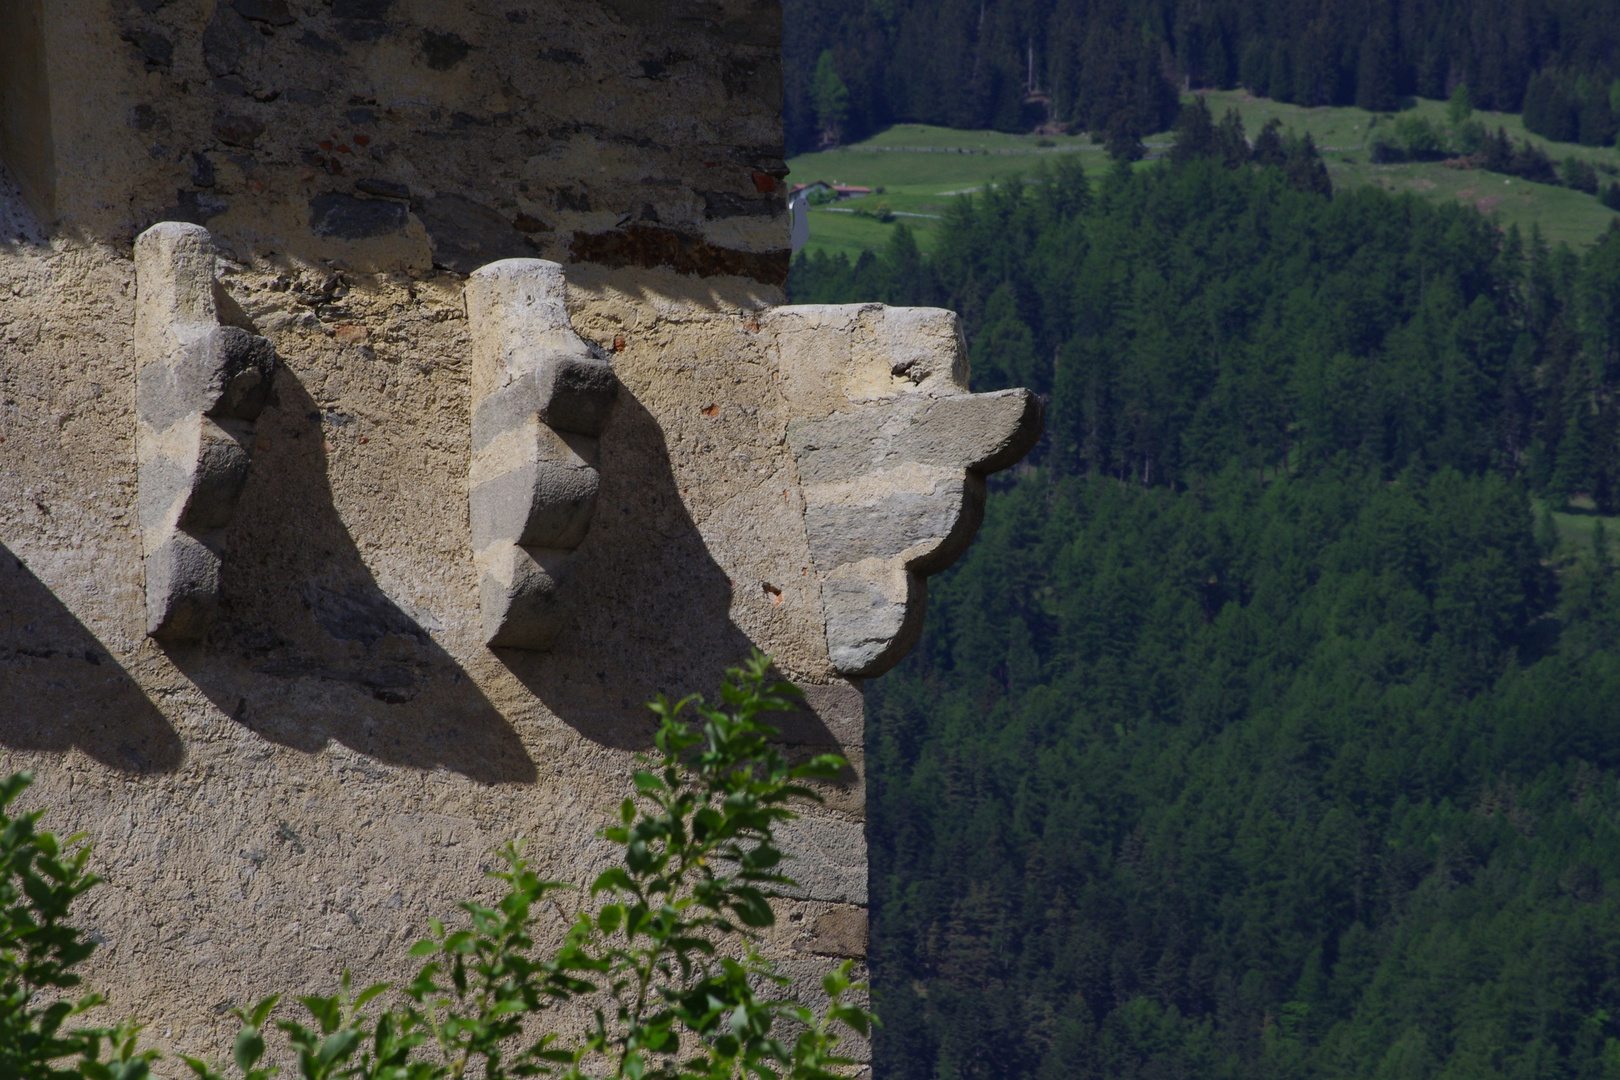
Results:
<point x="1268" y="728"/>
<point x="1114" y="67"/>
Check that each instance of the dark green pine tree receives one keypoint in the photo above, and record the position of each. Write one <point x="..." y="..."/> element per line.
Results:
<point x="1376" y="89"/>
<point x="1003" y="351"/>
<point x="1546" y="530"/>
<point x="1194" y="132"/>
<point x="1305" y="169"/>
<point x="1268" y="145"/>
<point x="1573" y="471"/>
<point x="1229" y="138"/>
<point x="831" y="99"/>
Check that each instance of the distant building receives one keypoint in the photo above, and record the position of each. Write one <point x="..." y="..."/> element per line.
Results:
<point x="837" y="191"/>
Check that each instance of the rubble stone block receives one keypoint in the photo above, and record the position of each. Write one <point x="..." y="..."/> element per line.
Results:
<point x="842" y="931"/>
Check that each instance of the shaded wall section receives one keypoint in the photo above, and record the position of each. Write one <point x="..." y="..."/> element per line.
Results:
<point x="25" y="107"/>
<point x="408" y="134"/>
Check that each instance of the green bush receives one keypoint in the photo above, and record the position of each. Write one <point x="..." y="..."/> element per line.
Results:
<point x="1580" y="174"/>
<point x="663" y="952"/>
<point x="1471" y="136"/>
<point x="40" y="877"/>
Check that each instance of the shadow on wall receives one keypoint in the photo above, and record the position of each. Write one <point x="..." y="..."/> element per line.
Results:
<point x="307" y="648"/>
<point x="76" y="694"/>
<point x="653" y="608"/>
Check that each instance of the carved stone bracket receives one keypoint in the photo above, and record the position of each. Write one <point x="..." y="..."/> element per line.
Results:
<point x="199" y="388"/>
<point x="892" y="452"/>
<point x="540" y="402"/>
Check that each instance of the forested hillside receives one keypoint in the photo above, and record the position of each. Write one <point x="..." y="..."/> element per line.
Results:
<point x="1113" y="66"/>
<point x="1271" y="727"/>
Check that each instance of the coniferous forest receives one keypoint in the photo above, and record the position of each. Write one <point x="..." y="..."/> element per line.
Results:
<point x="1271" y="727"/>
<point x="1113" y="67"/>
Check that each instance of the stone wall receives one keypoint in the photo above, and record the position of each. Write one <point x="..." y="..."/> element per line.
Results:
<point x="395" y="135"/>
<point x="297" y="787"/>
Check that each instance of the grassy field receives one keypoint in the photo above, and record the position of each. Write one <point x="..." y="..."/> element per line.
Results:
<point x="1576" y="523"/>
<point x="1563" y="214"/>
<point x="921" y="168"/>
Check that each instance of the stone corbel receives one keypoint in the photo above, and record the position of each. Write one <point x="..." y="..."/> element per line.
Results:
<point x="199" y="388"/>
<point x="540" y="402"/>
<point x="892" y="451"/>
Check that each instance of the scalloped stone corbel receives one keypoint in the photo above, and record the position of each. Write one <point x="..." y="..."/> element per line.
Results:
<point x="199" y="388"/>
<point x="540" y="402"/>
<point x="892" y="451"/>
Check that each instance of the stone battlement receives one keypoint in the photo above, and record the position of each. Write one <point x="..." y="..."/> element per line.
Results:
<point x="394" y="395"/>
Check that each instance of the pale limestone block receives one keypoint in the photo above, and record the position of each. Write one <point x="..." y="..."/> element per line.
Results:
<point x="891" y="451"/>
<point x="199" y="388"/>
<point x="826" y="857"/>
<point x="540" y="401"/>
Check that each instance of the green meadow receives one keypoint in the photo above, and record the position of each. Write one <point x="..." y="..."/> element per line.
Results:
<point x="1575" y="523"/>
<point x="922" y="168"/>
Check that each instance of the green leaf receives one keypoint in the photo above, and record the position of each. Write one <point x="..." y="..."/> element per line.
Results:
<point x="249" y="1048"/>
<point x="369" y="994"/>
<point x="614" y="878"/>
<point x="201" y="1069"/>
<point x="609" y="918"/>
<point x="136" y="1069"/>
<point x="327" y="1011"/>
<point x="338" y="1046"/>
<point x="261" y="1011"/>
<point x="752" y="908"/>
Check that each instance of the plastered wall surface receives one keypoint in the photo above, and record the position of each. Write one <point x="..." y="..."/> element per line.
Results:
<point x="332" y="765"/>
<point x="330" y="761"/>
